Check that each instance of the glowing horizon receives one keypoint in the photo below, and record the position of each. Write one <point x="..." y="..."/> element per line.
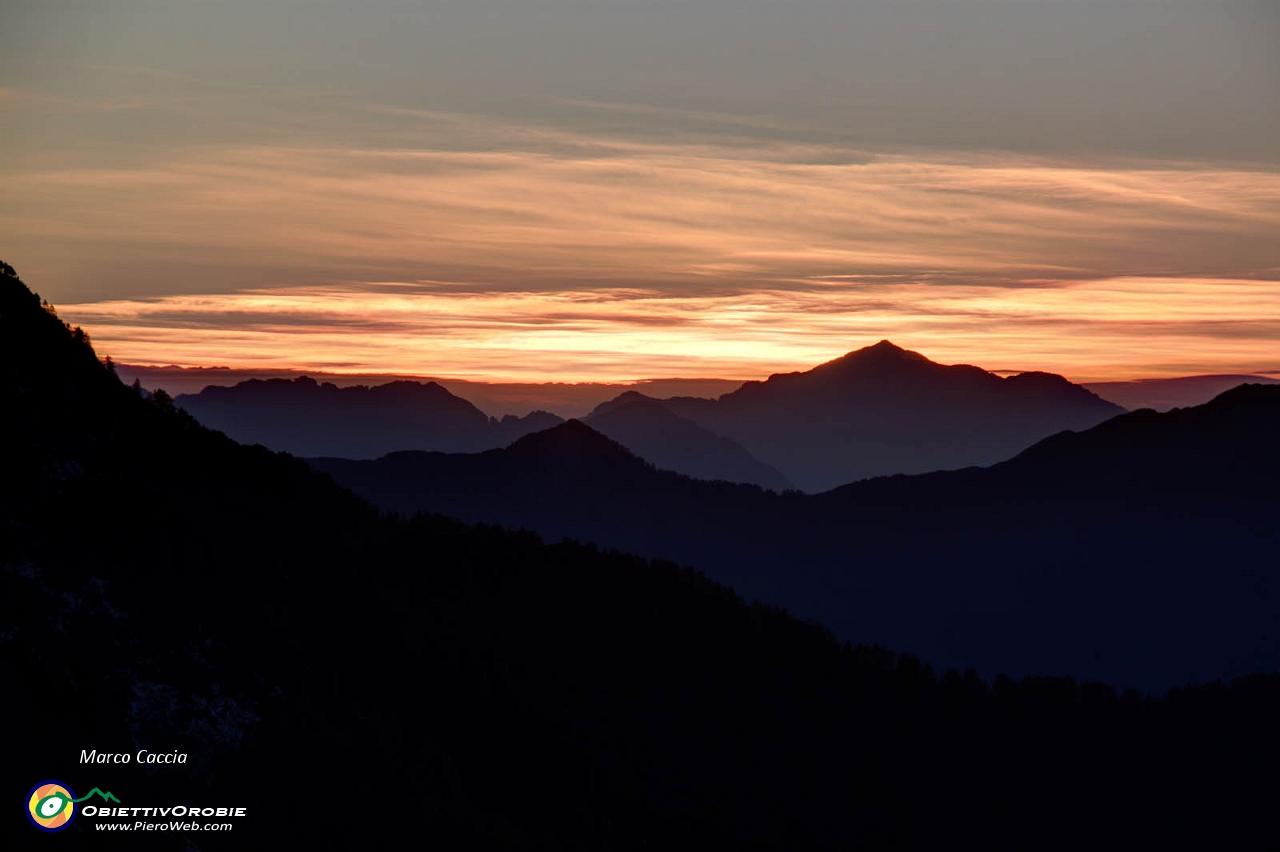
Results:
<point x="557" y="336"/>
<point x="468" y="207"/>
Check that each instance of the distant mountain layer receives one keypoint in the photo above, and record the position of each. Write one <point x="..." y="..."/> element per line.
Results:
<point x="884" y="410"/>
<point x="1141" y="551"/>
<point x="568" y="399"/>
<point x="1164" y="394"/>
<point x="649" y="429"/>
<point x="579" y="399"/>
<point x="307" y="418"/>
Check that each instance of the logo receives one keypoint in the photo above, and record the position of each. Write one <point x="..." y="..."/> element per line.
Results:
<point x="51" y="805"/>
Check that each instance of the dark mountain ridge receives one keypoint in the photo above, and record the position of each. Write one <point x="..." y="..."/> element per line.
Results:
<point x="877" y="411"/>
<point x="647" y="427"/>
<point x="310" y="418"/>
<point x="306" y="417"/>
<point x="567" y="399"/>
<point x="1177" y="392"/>
<point x="884" y="410"/>
<point x="1002" y="567"/>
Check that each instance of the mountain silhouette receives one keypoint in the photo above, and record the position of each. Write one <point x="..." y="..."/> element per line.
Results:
<point x="1164" y="394"/>
<point x="575" y="399"/>
<point x="307" y="417"/>
<point x="1107" y="553"/>
<point x="648" y="428"/>
<point x="162" y="585"/>
<point x="884" y="410"/>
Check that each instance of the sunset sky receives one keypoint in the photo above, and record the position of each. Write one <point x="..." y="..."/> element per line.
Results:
<point x="573" y="190"/>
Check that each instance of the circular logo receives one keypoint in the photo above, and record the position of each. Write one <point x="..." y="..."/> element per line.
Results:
<point x="50" y="806"/>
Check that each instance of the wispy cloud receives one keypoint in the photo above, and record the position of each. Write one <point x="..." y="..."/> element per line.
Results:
<point x="468" y="246"/>
<point x="670" y="213"/>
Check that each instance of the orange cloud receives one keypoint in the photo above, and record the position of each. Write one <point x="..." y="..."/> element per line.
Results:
<point x="1089" y="330"/>
<point x="474" y="248"/>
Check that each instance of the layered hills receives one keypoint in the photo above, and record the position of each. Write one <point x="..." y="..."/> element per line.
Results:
<point x="1110" y="553"/>
<point x="306" y="417"/>
<point x="649" y="429"/>
<point x="357" y="680"/>
<point x="885" y="410"/>
<point x="877" y="411"/>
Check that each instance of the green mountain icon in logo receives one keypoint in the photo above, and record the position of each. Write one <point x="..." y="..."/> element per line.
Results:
<point x="108" y="796"/>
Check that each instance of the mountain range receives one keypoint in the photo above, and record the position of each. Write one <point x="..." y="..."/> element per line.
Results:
<point x="648" y="428"/>
<point x="1139" y="551"/>
<point x="876" y="411"/>
<point x="358" y="680"/>
<point x="306" y="417"/>
<point x="885" y="410"/>
<point x="568" y="399"/>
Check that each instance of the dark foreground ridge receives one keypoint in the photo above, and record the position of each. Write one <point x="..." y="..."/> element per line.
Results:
<point x="358" y="681"/>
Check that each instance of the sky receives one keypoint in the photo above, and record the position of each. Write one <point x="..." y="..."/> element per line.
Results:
<point x="569" y="190"/>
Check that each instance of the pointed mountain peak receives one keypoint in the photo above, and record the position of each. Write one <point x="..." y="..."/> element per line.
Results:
<point x="879" y="355"/>
<point x="886" y="349"/>
<point x="623" y="399"/>
<point x="571" y="436"/>
<point x="630" y="396"/>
